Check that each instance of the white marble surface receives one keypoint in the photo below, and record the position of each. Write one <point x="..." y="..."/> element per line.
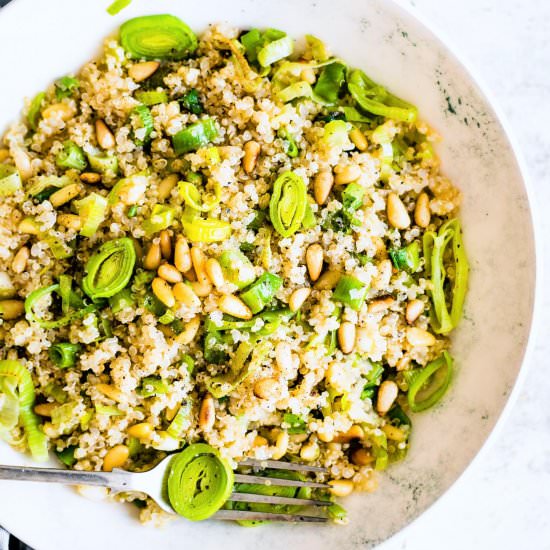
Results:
<point x="503" y="500"/>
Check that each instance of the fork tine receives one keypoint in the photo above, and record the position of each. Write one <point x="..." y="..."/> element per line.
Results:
<point x="266" y="516"/>
<point x="260" y="480"/>
<point x="280" y="465"/>
<point x="272" y="499"/>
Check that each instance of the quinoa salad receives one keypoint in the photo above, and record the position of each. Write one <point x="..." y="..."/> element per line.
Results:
<point x="225" y="240"/>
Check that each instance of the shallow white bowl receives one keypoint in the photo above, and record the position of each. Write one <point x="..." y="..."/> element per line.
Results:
<point x="42" y="41"/>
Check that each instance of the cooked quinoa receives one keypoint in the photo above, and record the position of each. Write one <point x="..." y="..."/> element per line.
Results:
<point x="328" y="366"/>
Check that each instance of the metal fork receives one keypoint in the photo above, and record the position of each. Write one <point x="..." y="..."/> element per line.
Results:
<point x="152" y="483"/>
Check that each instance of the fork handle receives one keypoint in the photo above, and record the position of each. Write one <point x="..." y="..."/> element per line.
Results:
<point x="119" y="480"/>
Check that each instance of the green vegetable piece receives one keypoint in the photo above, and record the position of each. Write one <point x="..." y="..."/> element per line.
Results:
<point x="337" y="512"/>
<point x="287" y="206"/>
<point x="352" y="197"/>
<point x="92" y="211"/>
<point x="65" y="87"/>
<point x="336" y="133"/>
<point x="162" y="217"/>
<point x="66" y="456"/>
<point x="195" y="136"/>
<point x="297" y="424"/>
<point x="191" y="102"/>
<point x="428" y="385"/>
<point x="121" y="300"/>
<point x="151" y="97"/>
<point x="56" y="392"/>
<point x="35" y="109"/>
<point x="108" y="410"/>
<point x="252" y="41"/>
<point x="10" y="180"/>
<point x="151" y="386"/>
<point x="64" y="354"/>
<point x="291" y="149"/>
<point x="117" y="6"/>
<point x="275" y="51"/>
<point x="207" y="230"/>
<point x="374" y="379"/>
<point x="132" y="211"/>
<point x="260" y="293"/>
<point x="350" y="291"/>
<point x="157" y="37"/>
<point x="143" y="133"/>
<point x="189" y="362"/>
<point x="109" y="269"/>
<point x="199" y="482"/>
<point x="351" y="114"/>
<point x="309" y="220"/>
<point x="330" y="82"/>
<point x="215" y="347"/>
<point x="237" y="268"/>
<point x="406" y="258"/>
<point x="103" y="163"/>
<point x="72" y="156"/>
<point x="317" y="48"/>
<point x="182" y="421"/>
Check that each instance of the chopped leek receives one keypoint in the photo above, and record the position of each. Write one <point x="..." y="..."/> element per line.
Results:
<point x="143" y="133"/>
<point x="151" y="386"/>
<point x="161" y="217"/>
<point x="10" y="180"/>
<point x="192" y="196"/>
<point x="44" y="186"/>
<point x="317" y="48"/>
<point x="35" y="109"/>
<point x="350" y="291"/>
<point x="406" y="258"/>
<point x="117" y="6"/>
<point x="121" y="300"/>
<point x="63" y="355"/>
<point x="72" y="156"/>
<point x="151" y="97"/>
<point x="92" y="211"/>
<point x="65" y="87"/>
<point x="336" y="133"/>
<point x="260" y="293"/>
<point x="206" y="230"/>
<point x="194" y="136"/>
<point x="330" y="82"/>
<point x="275" y="51"/>
<point x="182" y="421"/>
<point x="287" y="206"/>
<point x="103" y="163"/>
<point x="66" y="456"/>
<point x="296" y="424"/>
<point x="237" y="268"/>
<point x="191" y="102"/>
<point x="352" y="197"/>
<point x="291" y="149"/>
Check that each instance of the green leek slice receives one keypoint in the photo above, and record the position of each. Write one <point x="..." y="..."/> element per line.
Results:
<point x="287" y="206"/>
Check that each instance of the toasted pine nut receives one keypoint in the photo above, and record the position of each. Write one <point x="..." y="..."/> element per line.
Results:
<point x="45" y="409"/>
<point x="153" y="257"/>
<point x="298" y="297"/>
<point x="111" y="392"/>
<point x="251" y="152"/>
<point x="215" y="273"/>
<point x="346" y="174"/>
<point x="387" y="394"/>
<point x="199" y="265"/>
<point x="65" y="194"/>
<point x="169" y="273"/>
<point x="90" y="177"/>
<point x="234" y="306"/>
<point x="322" y="185"/>
<point x="346" y="336"/>
<point x="58" y="110"/>
<point x="166" y="186"/>
<point x="28" y="226"/>
<point x="281" y="445"/>
<point x="308" y="75"/>
<point x="19" y="261"/>
<point x="394" y="433"/>
<point x="182" y="255"/>
<point x="341" y="487"/>
<point x="422" y="214"/>
<point x="187" y="335"/>
<point x="420" y="337"/>
<point x="72" y="221"/>
<point x="355" y="432"/>
<point x="105" y="137"/>
<point x="397" y="213"/>
<point x="414" y="310"/>
<point x="22" y="162"/>
<point x="358" y="139"/>
<point x="283" y="356"/>
<point x="186" y="295"/>
<point x="143" y="70"/>
<point x="165" y="244"/>
<point x="161" y="289"/>
<point x="361" y="457"/>
<point x="207" y="413"/>
<point x="201" y="289"/>
<point x="115" y="458"/>
<point x="260" y="441"/>
<point x="143" y="430"/>
<point x="309" y="451"/>
<point x="328" y="280"/>
<point x="265" y="388"/>
<point x="380" y="305"/>
<point x="11" y="309"/>
<point x="314" y="260"/>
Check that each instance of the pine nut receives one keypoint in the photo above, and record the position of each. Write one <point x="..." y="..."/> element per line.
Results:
<point x="182" y="255"/>
<point x="308" y="75"/>
<point x="422" y="214"/>
<point x="314" y="261"/>
<point x="28" y="226"/>
<point x="22" y="163"/>
<point x="169" y="273"/>
<point x="115" y="458"/>
<point x="153" y="257"/>
<point x="162" y="290"/>
<point x="19" y="262"/>
<point x="298" y="297"/>
<point x="341" y="487"/>
<point x="346" y="174"/>
<point x="328" y="280"/>
<point x="104" y="136"/>
<point x="142" y="71"/>
<point x="58" y="110"/>
<point x="90" y="177"/>
<point x="215" y="273"/>
<point x="201" y="289"/>
<point x="189" y="332"/>
<point x="266" y="388"/>
<point x="387" y="394"/>
<point x="45" y="409"/>
<point x="251" y="152"/>
<point x="207" y="413"/>
<point x="309" y="451"/>
<point x="346" y="336"/>
<point x="143" y="431"/>
<point x="166" y="186"/>
<point x="11" y="309"/>
<point x="260" y="441"/>
<point x="420" y="337"/>
<point x="281" y="446"/>
<point x="234" y="306"/>
<point x="165" y="244"/>
<point x="414" y="310"/>
<point x="186" y="295"/>
<point x="199" y="265"/>
<point x="71" y="221"/>
<point x="65" y="194"/>
<point x="380" y="305"/>
<point x="394" y="433"/>
<point x="358" y="139"/>
<point x="355" y="432"/>
<point x="322" y="185"/>
<point x="283" y="356"/>
<point x="111" y="392"/>
<point x="361" y="457"/>
<point x="397" y="213"/>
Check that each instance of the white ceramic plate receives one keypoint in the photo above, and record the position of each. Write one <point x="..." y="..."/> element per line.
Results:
<point x="41" y="41"/>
